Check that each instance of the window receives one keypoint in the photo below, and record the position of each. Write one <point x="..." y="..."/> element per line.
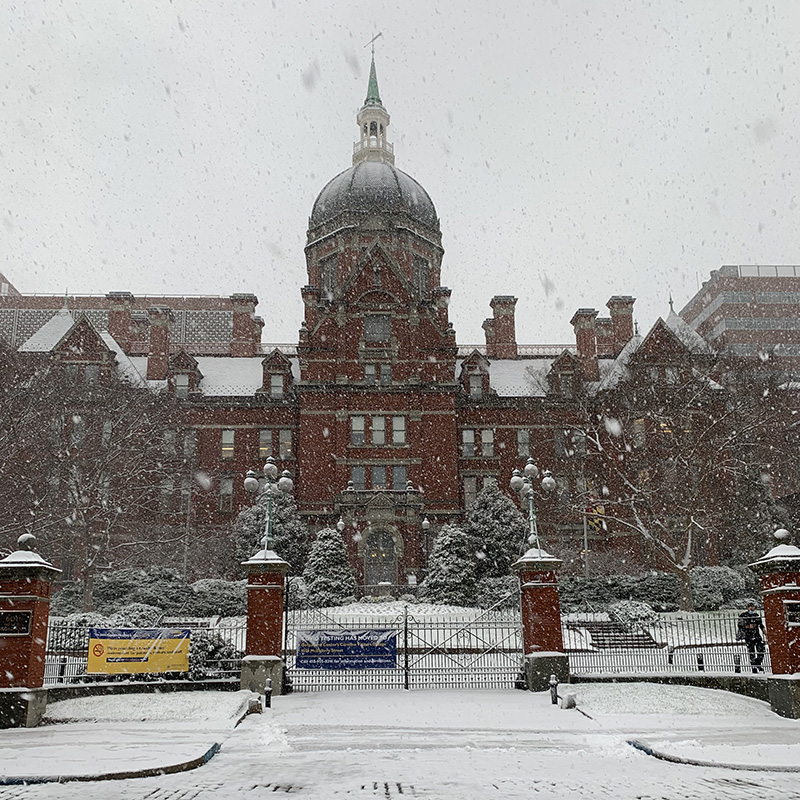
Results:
<point x="386" y="374"/>
<point x="369" y="374"/>
<point x="189" y="444"/>
<point x="671" y="375"/>
<point x="104" y="488"/>
<point x="71" y="371"/>
<point x="378" y="477"/>
<point x="523" y="444"/>
<point x="421" y="275"/>
<point x="488" y="481"/>
<point x="379" y="430"/>
<point x="328" y="276"/>
<point x="467" y="443"/>
<point x="186" y="491"/>
<point x="181" y="385"/>
<point x="226" y="495"/>
<point x="168" y="444"/>
<point x="398" y="430"/>
<point x="377" y="328"/>
<point x="399" y="477"/>
<point x="357" y="430"/>
<point x="559" y="445"/>
<point x="264" y="443"/>
<point x="78" y="431"/>
<point x="639" y="433"/>
<point x="165" y="497"/>
<point x="567" y="386"/>
<point x="285" y="444"/>
<point x="226" y="445"/>
<point x="579" y="443"/>
<point x="105" y="437"/>
<point x="91" y="372"/>
<point x="358" y="476"/>
<point x="276" y="385"/>
<point x="475" y="386"/>
<point x="57" y="428"/>
<point x="487" y="442"/>
<point x="470" y="490"/>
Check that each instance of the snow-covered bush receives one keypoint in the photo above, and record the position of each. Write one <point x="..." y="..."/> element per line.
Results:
<point x="713" y="587"/>
<point x="661" y="590"/>
<point x="67" y="600"/>
<point x="154" y="586"/>
<point x="631" y="614"/>
<point x="211" y="656"/>
<point x="451" y="569"/>
<point x="497" y="530"/>
<point x="216" y="597"/>
<point x="137" y="615"/>
<point x="500" y="592"/>
<point x="327" y="575"/>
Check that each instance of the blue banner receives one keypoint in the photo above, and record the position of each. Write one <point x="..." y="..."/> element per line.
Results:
<point x="367" y="649"/>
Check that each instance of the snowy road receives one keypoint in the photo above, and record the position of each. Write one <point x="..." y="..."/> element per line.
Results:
<point x="469" y="745"/>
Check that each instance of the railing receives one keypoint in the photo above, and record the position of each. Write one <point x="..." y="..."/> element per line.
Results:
<point x="677" y="643"/>
<point x="373" y="142"/>
<point x="67" y="653"/>
<point x="546" y="350"/>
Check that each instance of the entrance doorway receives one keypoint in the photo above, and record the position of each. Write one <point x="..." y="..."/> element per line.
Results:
<point x="380" y="559"/>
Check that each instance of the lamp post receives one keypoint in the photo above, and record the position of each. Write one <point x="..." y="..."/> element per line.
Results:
<point x="522" y="483"/>
<point x="272" y="487"/>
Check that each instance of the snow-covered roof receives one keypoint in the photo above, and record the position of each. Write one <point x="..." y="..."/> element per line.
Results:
<point x="126" y="369"/>
<point x="619" y="370"/>
<point x="225" y="376"/>
<point x="690" y="338"/>
<point x="50" y="334"/>
<point x="520" y="377"/>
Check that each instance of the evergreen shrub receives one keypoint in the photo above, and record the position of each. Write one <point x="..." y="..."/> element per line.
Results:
<point x="500" y="592"/>
<point x="211" y="656"/>
<point x="713" y="587"/>
<point x="632" y="615"/>
<point x="451" y="569"/>
<point x="328" y="576"/>
<point x="216" y="597"/>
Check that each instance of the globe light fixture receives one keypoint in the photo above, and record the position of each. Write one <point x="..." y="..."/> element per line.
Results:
<point x="522" y="483"/>
<point x="272" y="486"/>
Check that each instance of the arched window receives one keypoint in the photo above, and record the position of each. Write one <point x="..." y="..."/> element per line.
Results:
<point x="380" y="561"/>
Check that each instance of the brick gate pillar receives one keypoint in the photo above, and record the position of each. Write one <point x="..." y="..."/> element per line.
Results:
<point x="542" y="642"/>
<point x="266" y="587"/>
<point x="779" y="575"/>
<point x="25" y="582"/>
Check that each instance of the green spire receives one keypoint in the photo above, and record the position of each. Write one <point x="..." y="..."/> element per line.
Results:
<point x="373" y="95"/>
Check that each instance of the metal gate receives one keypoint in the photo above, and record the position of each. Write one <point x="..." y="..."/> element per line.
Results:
<point x="479" y="649"/>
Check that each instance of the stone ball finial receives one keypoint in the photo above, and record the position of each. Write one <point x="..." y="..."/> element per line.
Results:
<point x="781" y="536"/>
<point x="26" y="542"/>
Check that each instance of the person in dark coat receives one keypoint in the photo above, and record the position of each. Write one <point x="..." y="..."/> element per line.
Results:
<point x="750" y="627"/>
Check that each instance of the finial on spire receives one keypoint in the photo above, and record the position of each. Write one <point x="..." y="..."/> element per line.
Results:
<point x="671" y="309"/>
<point x="373" y="95"/>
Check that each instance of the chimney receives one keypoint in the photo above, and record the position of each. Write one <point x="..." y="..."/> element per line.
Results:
<point x="311" y="295"/>
<point x="158" y="351"/>
<point x="120" y="305"/>
<point x="243" y="341"/>
<point x="621" y="309"/>
<point x="583" y="323"/>
<point x="604" y="335"/>
<point x="501" y="336"/>
<point x="441" y="296"/>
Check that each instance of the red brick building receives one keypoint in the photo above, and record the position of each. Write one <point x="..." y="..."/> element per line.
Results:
<point x="380" y="416"/>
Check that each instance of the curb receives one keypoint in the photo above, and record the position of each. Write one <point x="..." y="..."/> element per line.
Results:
<point x="648" y="750"/>
<point x="151" y="772"/>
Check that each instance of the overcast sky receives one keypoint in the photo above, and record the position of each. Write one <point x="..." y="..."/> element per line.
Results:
<point x="574" y="149"/>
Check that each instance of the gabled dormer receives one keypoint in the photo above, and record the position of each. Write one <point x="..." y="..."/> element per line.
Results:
<point x="277" y="379"/>
<point x="474" y="377"/>
<point x="83" y="354"/>
<point x="565" y="377"/>
<point x="183" y="374"/>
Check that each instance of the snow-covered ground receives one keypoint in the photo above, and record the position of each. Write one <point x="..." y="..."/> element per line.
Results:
<point x="462" y="745"/>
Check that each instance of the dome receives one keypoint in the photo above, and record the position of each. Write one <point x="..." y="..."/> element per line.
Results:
<point x="374" y="186"/>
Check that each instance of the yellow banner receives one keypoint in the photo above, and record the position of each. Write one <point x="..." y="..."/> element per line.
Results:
<point x="129" y="651"/>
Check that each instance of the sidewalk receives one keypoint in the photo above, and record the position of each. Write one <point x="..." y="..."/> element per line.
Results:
<point x="448" y="744"/>
<point x="121" y="735"/>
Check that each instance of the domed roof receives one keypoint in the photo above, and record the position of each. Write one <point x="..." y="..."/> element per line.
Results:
<point x="374" y="186"/>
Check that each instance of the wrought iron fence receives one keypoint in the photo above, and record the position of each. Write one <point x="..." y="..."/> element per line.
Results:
<point x="67" y="653"/>
<point x="676" y="643"/>
<point x="480" y="649"/>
